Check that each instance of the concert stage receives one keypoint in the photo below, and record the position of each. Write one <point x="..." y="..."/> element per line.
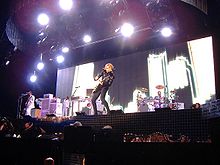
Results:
<point x="161" y="137"/>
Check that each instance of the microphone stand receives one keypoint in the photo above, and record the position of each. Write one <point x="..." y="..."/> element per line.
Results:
<point x="75" y="91"/>
<point x="72" y="100"/>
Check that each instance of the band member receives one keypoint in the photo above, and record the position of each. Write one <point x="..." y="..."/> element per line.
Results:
<point x="66" y="106"/>
<point x="105" y="79"/>
<point x="29" y="104"/>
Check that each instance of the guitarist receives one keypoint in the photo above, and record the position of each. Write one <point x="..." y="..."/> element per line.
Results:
<point x="105" y="79"/>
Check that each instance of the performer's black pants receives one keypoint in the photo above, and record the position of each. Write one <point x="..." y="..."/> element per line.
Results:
<point x="102" y="94"/>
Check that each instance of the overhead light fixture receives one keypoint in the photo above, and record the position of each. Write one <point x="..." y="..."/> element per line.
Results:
<point x="60" y="59"/>
<point x="66" y="4"/>
<point x="43" y="19"/>
<point x="40" y="65"/>
<point x="87" y="38"/>
<point x="33" y="78"/>
<point x="127" y="29"/>
<point x="65" y="49"/>
<point x="166" y="32"/>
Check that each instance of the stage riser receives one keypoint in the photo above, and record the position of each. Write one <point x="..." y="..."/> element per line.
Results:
<point x="174" y="122"/>
<point x="186" y="122"/>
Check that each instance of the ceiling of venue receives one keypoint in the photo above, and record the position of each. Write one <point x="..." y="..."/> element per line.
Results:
<point x="101" y="19"/>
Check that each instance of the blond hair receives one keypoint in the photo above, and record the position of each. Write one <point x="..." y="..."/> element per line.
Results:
<point x="110" y="65"/>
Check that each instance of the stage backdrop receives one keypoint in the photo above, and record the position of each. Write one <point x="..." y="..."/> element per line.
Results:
<point x="184" y="71"/>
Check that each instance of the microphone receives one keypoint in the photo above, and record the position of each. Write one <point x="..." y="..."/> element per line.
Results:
<point x="77" y="87"/>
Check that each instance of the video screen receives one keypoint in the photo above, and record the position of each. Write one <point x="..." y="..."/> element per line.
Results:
<point x="176" y="77"/>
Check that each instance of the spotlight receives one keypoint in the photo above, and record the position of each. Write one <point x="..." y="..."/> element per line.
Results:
<point x="40" y="65"/>
<point x="127" y="29"/>
<point x="43" y="19"/>
<point x="87" y="38"/>
<point x="60" y="59"/>
<point x="33" y="78"/>
<point x="66" y="4"/>
<point x="65" y="49"/>
<point x="166" y="32"/>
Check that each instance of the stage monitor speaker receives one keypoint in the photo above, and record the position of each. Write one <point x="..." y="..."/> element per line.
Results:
<point x="116" y="112"/>
<point x="162" y="109"/>
<point x="77" y="139"/>
<point x="80" y="113"/>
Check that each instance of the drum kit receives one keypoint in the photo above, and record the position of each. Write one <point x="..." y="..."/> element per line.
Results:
<point x="150" y="103"/>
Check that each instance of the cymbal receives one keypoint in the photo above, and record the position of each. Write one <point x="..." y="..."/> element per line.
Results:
<point x="159" y="87"/>
<point x="143" y="89"/>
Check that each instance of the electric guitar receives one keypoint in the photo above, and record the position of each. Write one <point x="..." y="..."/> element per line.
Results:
<point x="100" y="84"/>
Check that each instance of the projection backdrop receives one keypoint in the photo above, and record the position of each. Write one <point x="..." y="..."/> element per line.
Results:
<point x="182" y="72"/>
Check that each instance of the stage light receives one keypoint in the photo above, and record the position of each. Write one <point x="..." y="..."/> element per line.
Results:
<point x="7" y="62"/>
<point x="41" y="34"/>
<point x="87" y="39"/>
<point x="15" y="48"/>
<point x="33" y="78"/>
<point x="166" y="32"/>
<point x="60" y="59"/>
<point x="127" y="29"/>
<point x="66" y="4"/>
<point x="40" y="65"/>
<point x="65" y="49"/>
<point x="43" y="19"/>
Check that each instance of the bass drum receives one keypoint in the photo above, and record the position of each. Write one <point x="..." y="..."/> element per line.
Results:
<point x="157" y="103"/>
<point x="150" y="103"/>
<point x="151" y="106"/>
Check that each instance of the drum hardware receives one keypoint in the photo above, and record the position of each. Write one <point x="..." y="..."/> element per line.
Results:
<point x="159" y="87"/>
<point x="151" y="103"/>
<point x="142" y="89"/>
<point x="173" y="98"/>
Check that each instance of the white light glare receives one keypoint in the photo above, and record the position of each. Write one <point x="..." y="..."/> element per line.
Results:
<point x="60" y="59"/>
<point x="43" y="19"/>
<point x="87" y="38"/>
<point x="65" y="49"/>
<point x="41" y="34"/>
<point x="40" y="65"/>
<point x="166" y="32"/>
<point x="127" y="29"/>
<point x="33" y="78"/>
<point x="7" y="62"/>
<point x="66" y="4"/>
